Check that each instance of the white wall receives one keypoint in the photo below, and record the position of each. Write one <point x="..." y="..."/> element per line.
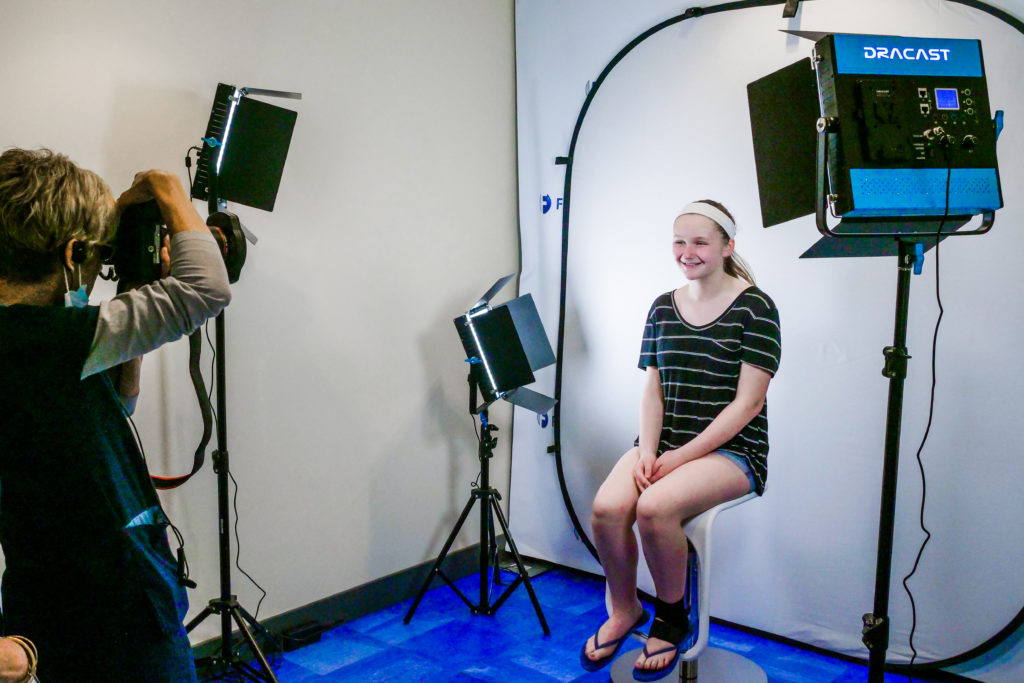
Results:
<point x="348" y="431"/>
<point x="671" y="124"/>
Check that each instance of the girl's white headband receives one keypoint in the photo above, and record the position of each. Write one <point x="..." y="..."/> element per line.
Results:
<point x="715" y="214"/>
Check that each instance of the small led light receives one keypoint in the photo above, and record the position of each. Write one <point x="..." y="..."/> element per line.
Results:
<point x="483" y="358"/>
<point x="227" y="129"/>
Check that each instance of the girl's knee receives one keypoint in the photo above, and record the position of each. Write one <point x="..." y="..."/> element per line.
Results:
<point x="615" y="502"/>
<point x="610" y="510"/>
<point x="652" y="513"/>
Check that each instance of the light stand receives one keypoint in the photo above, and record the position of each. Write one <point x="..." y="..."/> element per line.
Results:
<point x="503" y="345"/>
<point x="247" y="171"/>
<point x="883" y="164"/>
<point x="489" y="510"/>
<point x="910" y="235"/>
<point x="876" y="624"/>
<point x="227" y="605"/>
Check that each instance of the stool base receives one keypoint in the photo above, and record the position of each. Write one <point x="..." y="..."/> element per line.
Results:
<point x="716" y="666"/>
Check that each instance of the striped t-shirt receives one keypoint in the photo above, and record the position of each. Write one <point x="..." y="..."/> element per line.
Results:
<point x="700" y="369"/>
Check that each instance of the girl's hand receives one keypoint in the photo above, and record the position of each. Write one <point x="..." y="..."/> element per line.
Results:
<point x="643" y="469"/>
<point x="668" y="461"/>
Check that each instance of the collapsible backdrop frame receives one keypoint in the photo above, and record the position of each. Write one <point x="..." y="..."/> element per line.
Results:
<point x="567" y="162"/>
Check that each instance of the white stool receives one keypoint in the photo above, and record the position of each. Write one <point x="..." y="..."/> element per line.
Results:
<point x="716" y="665"/>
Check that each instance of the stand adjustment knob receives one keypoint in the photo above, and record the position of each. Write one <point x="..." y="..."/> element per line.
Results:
<point x="875" y="631"/>
<point x="895" y="362"/>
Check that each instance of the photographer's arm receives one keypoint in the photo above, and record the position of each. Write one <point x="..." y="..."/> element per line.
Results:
<point x="126" y="378"/>
<point x="140" y="320"/>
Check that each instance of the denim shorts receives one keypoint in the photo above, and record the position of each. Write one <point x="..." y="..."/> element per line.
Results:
<point x="740" y="462"/>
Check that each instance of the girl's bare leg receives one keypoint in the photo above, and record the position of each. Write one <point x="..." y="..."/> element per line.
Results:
<point x="612" y="521"/>
<point x="683" y="493"/>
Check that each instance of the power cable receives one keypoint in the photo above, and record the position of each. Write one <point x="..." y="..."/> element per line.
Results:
<point x="924" y="438"/>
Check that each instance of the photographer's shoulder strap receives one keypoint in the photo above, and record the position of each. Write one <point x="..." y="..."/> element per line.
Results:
<point x="195" y="347"/>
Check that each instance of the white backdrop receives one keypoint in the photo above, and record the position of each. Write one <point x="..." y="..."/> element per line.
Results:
<point x="670" y="124"/>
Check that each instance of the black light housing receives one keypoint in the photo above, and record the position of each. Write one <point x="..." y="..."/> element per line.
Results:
<point x="508" y="344"/>
<point x="245" y="147"/>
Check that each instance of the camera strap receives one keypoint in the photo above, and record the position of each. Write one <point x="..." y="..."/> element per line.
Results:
<point x="195" y="348"/>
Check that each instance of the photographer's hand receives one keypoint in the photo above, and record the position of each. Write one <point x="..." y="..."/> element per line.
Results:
<point x="166" y="188"/>
<point x="195" y="290"/>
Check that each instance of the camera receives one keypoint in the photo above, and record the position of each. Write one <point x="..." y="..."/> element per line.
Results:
<point x="136" y="254"/>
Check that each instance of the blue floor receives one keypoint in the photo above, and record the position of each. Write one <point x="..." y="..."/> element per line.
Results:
<point x="445" y="642"/>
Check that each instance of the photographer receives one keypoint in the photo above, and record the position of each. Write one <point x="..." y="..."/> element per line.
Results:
<point x="89" y="576"/>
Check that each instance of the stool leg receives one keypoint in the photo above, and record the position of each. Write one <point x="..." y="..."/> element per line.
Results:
<point x="692" y="593"/>
<point x="688" y="670"/>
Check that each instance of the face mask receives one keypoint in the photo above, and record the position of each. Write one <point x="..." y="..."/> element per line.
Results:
<point x="78" y="298"/>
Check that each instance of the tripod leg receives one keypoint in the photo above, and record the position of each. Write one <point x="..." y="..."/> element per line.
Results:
<point x="519" y="563"/>
<point x="245" y="670"/>
<point x="492" y="552"/>
<point x="254" y="647"/>
<point x="440" y="559"/>
<point x="484" y="560"/>
<point x="207" y="611"/>
<point x="256" y="626"/>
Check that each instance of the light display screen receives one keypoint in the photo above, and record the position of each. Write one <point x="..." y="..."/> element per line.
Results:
<point x="946" y="99"/>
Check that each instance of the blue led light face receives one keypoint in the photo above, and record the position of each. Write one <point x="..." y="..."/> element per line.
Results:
<point x="946" y="99"/>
